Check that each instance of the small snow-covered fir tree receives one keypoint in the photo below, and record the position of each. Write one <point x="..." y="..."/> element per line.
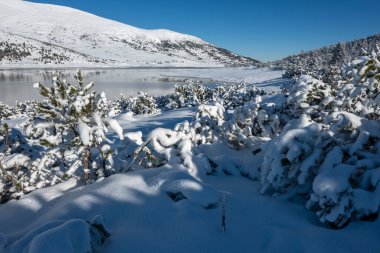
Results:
<point x="71" y="117"/>
<point x="339" y="55"/>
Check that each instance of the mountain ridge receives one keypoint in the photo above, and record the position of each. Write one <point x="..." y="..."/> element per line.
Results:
<point x="98" y="40"/>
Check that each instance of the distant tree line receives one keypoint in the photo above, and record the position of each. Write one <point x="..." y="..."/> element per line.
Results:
<point x="323" y="63"/>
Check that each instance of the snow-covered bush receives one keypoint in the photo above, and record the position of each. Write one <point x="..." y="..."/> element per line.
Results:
<point x="292" y="159"/>
<point x="27" y="108"/>
<point x="207" y="124"/>
<point x="361" y="93"/>
<point x="178" y="146"/>
<point x="191" y="94"/>
<point x="293" y="71"/>
<point x="250" y="121"/>
<point x="5" y="111"/>
<point x="322" y="63"/>
<point x="348" y="186"/>
<point x="16" y="156"/>
<point x="336" y="163"/>
<point x="141" y="104"/>
<point x="234" y="95"/>
<point x="308" y="96"/>
<point x="62" y="118"/>
<point x="186" y="95"/>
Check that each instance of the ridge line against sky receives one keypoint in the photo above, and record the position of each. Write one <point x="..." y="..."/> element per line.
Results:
<point x="263" y="30"/>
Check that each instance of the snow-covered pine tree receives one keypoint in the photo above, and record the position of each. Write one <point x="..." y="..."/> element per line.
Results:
<point x="332" y="73"/>
<point x="339" y="55"/>
<point x="71" y="123"/>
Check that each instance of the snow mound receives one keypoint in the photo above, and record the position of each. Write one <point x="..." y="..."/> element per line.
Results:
<point x="180" y="185"/>
<point x="192" y="190"/>
<point x="72" y="236"/>
<point x="230" y="166"/>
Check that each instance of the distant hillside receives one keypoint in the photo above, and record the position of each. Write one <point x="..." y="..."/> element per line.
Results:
<point x="324" y="55"/>
<point x="34" y="34"/>
<point x="327" y="61"/>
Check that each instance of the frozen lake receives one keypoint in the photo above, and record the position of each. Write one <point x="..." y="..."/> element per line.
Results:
<point x="17" y="85"/>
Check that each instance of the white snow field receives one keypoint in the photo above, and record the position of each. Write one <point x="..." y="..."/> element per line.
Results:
<point x="141" y="213"/>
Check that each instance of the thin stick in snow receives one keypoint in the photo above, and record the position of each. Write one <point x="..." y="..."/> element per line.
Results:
<point x="223" y="212"/>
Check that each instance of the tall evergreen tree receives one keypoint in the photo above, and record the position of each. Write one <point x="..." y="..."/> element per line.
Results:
<point x="339" y="55"/>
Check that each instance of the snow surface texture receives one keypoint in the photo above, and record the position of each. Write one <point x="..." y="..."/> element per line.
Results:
<point x="50" y="35"/>
<point x="76" y="236"/>
<point x="143" y="218"/>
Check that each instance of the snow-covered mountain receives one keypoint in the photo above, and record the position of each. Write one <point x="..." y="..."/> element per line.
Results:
<point x="42" y="34"/>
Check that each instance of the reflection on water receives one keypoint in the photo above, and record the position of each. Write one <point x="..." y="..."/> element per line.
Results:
<point x="17" y="85"/>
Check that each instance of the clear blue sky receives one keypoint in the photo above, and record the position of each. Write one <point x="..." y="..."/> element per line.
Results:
<point x="262" y="29"/>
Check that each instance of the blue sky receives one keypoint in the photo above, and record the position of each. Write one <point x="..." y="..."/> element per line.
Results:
<point x="262" y="29"/>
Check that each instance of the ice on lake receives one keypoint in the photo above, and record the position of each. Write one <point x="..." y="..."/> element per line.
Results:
<point x="17" y="85"/>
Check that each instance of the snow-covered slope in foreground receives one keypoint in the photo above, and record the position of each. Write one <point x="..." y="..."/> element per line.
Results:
<point x="141" y="217"/>
<point x="42" y="34"/>
<point x="168" y="210"/>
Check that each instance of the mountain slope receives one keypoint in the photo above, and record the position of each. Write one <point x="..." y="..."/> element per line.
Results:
<point x="84" y="39"/>
<point x="351" y="50"/>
